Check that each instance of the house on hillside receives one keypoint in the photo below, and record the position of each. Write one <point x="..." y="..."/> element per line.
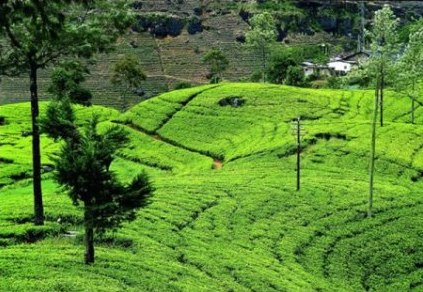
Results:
<point x="337" y="66"/>
<point x="310" y="68"/>
<point x="341" y="67"/>
<point x="343" y="64"/>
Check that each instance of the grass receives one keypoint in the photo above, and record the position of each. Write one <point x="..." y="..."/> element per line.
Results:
<point x="241" y="227"/>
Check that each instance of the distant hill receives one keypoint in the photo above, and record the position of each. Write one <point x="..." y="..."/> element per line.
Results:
<point x="170" y="37"/>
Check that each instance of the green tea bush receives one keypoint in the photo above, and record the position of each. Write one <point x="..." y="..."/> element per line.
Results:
<point x="226" y="215"/>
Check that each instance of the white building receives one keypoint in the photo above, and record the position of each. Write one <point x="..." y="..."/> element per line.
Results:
<point x="341" y="67"/>
<point x="308" y="68"/>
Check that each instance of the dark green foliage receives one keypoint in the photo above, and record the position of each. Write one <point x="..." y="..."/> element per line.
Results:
<point x="194" y="25"/>
<point x="45" y="39"/>
<point x="295" y="76"/>
<point x="59" y="120"/>
<point x="66" y="82"/>
<point x="159" y="25"/>
<point x="261" y="37"/>
<point x="36" y="34"/>
<point x="83" y="168"/>
<point x="334" y="82"/>
<point x="67" y="76"/>
<point x="216" y="62"/>
<point x="234" y="101"/>
<point x="404" y="31"/>
<point x="128" y="73"/>
<point x="280" y="60"/>
<point x="314" y="53"/>
<point x="2" y="120"/>
<point x="256" y="76"/>
<point x="277" y="5"/>
<point x="81" y="96"/>
<point x="182" y="85"/>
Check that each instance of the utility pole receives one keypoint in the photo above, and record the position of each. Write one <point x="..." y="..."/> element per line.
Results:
<point x="373" y="149"/>
<point x="296" y="124"/>
<point x="298" y="153"/>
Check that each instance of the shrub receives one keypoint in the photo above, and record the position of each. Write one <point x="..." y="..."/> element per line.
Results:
<point x="334" y="82"/>
<point x="295" y="76"/>
<point x="256" y="76"/>
<point x="182" y="85"/>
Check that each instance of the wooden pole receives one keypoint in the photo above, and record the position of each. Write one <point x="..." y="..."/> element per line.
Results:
<point x="373" y="149"/>
<point x="298" y="153"/>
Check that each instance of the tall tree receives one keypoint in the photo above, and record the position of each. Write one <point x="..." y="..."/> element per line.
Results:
<point x="82" y="167"/>
<point x="262" y="36"/>
<point x="383" y="47"/>
<point x="410" y="70"/>
<point x="128" y="73"/>
<point x="83" y="163"/>
<point x="35" y="34"/>
<point x="217" y="63"/>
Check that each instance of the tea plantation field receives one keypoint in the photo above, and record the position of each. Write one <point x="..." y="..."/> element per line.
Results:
<point x="225" y="215"/>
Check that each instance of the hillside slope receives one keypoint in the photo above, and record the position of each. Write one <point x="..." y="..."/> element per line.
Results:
<point x="170" y="38"/>
<point x="226" y="216"/>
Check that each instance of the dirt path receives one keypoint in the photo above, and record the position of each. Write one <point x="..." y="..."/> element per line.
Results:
<point x="217" y="164"/>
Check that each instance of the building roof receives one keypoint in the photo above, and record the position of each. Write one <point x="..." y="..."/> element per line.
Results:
<point x="349" y="57"/>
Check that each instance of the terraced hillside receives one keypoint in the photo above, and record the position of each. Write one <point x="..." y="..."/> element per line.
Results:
<point x="170" y="50"/>
<point x="226" y="216"/>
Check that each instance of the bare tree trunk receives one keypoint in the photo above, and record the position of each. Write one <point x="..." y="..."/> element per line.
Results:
<point x="263" y="54"/>
<point x="124" y="102"/>
<point x="373" y="149"/>
<point x="413" y="103"/>
<point x="36" y="154"/>
<point x="382" y="86"/>
<point x="413" y="108"/>
<point x="89" y="235"/>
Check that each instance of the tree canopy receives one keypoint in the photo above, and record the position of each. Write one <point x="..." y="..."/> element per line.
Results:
<point x="82" y="167"/>
<point x="217" y="63"/>
<point x="127" y="72"/>
<point x="35" y="34"/>
<point x="261" y="36"/>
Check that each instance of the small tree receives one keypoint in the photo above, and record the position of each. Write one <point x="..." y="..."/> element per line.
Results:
<point x="262" y="36"/>
<point x="383" y="40"/>
<point x="83" y="163"/>
<point x="280" y="60"/>
<point x="295" y="76"/>
<point x="66" y="81"/>
<point x="384" y="48"/>
<point x="410" y="70"/>
<point x="82" y="167"/>
<point x="128" y="73"/>
<point x="217" y="63"/>
<point x="36" y="34"/>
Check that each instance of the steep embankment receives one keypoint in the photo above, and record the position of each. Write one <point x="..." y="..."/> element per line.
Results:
<point x="242" y="227"/>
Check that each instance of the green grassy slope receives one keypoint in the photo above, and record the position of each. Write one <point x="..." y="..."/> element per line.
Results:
<point x="226" y="216"/>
